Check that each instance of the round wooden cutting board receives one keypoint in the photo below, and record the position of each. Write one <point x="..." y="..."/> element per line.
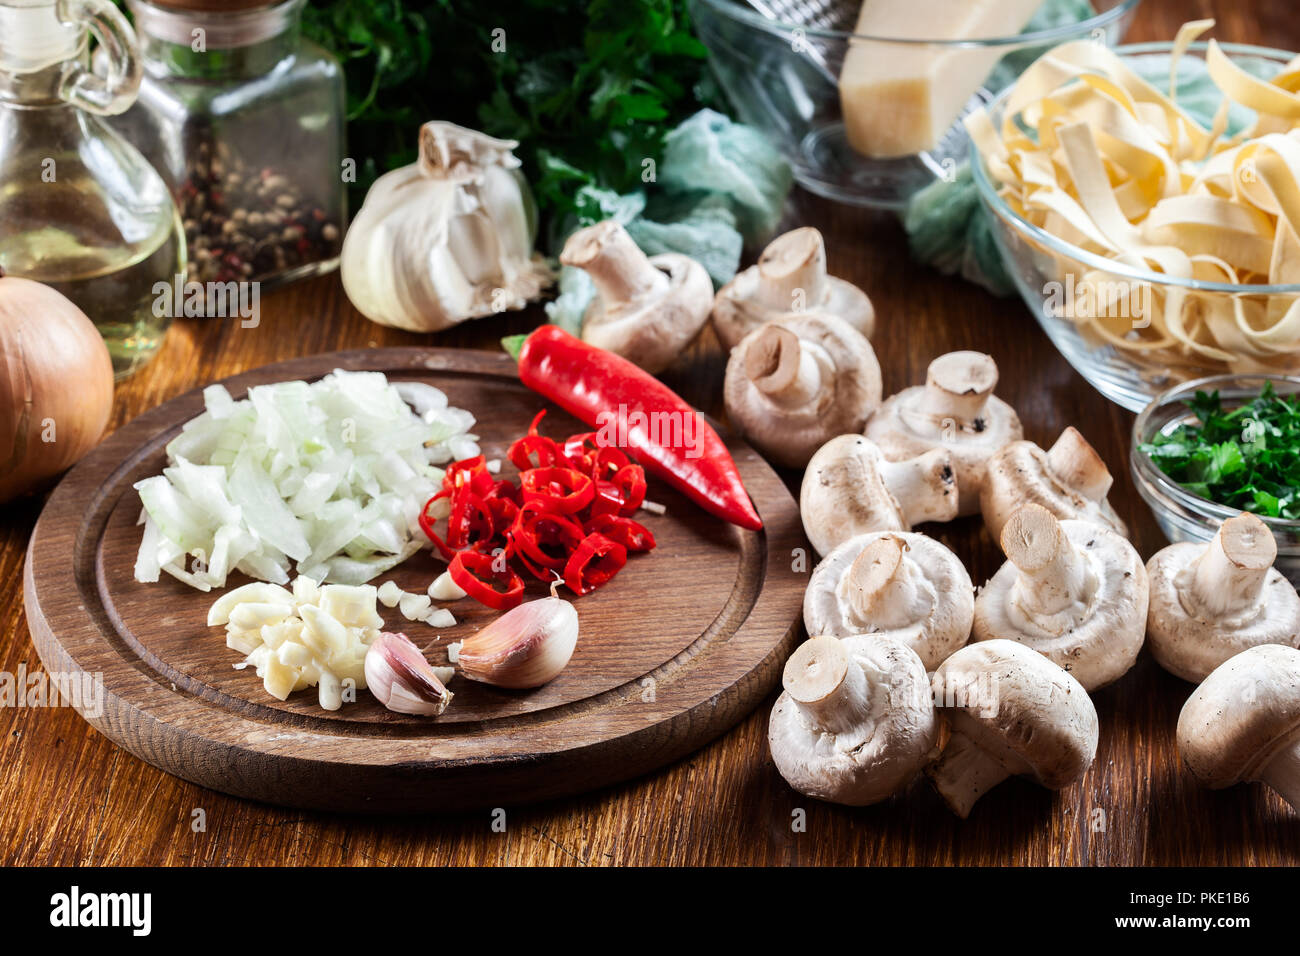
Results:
<point x="682" y="644"/>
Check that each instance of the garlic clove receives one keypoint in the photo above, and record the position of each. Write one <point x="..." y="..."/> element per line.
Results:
<point x="443" y="588"/>
<point x="523" y="648"/>
<point x="401" y="679"/>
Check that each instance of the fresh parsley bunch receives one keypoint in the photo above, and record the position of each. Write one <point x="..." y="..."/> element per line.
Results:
<point x="1246" y="458"/>
<point x="588" y="87"/>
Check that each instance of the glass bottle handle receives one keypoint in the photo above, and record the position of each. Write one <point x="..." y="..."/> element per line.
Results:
<point x="112" y="92"/>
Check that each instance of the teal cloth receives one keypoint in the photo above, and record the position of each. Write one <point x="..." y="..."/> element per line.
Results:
<point x="719" y="185"/>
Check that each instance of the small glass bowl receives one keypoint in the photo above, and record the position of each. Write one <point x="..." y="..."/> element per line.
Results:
<point x="781" y="76"/>
<point x="1047" y="271"/>
<point x="1183" y="516"/>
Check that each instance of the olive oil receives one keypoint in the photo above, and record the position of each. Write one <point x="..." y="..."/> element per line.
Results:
<point x="104" y="257"/>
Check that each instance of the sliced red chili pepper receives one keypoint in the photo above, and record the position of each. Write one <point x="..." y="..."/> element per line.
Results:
<point x="563" y="490"/>
<point x="545" y="538"/>
<point x="427" y="523"/>
<point x="596" y="561"/>
<point x="608" y="499"/>
<point x="535" y="451"/>
<point x="487" y="579"/>
<point x="470" y="524"/>
<point x="504" y="489"/>
<point x="607" y="461"/>
<point x="631" y="484"/>
<point x="503" y="512"/>
<point x="471" y="473"/>
<point x="579" y="449"/>
<point x="632" y="535"/>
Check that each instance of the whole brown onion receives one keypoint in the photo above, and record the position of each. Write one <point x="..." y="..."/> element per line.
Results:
<point x="56" y="385"/>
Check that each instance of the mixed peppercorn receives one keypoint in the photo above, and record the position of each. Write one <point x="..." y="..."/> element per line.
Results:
<point x="249" y="224"/>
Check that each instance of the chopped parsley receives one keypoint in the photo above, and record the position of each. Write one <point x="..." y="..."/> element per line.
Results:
<point x="1246" y="457"/>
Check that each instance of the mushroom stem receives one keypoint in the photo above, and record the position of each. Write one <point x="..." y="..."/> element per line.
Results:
<point x="1230" y="573"/>
<point x="965" y="772"/>
<point x="1282" y="773"/>
<point x="824" y="682"/>
<point x="880" y="586"/>
<point x="792" y="271"/>
<point x="1078" y="466"/>
<point x="782" y="368"/>
<point x="1053" y="573"/>
<point x="617" y="266"/>
<point x="957" y="386"/>
<point x="917" y="484"/>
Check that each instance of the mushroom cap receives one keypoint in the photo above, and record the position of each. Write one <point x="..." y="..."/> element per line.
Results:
<point x="1018" y="474"/>
<point x="1103" y="646"/>
<point x="939" y="612"/>
<point x="844" y="493"/>
<point x="653" y="332"/>
<point x="849" y="391"/>
<point x="1020" y="708"/>
<point x="884" y="749"/>
<point x="1242" y="715"/>
<point x="793" y="263"/>
<point x="1189" y="643"/>
<point x="906" y="425"/>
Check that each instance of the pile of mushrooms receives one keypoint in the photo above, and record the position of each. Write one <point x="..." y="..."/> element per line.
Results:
<point x="854" y="724"/>
<point x="1070" y="480"/>
<point x="1073" y="591"/>
<point x="850" y="488"/>
<point x="1010" y="711"/>
<point x="790" y="276"/>
<point x="955" y="409"/>
<point x="799" y="380"/>
<point x="897" y="585"/>
<point x="1210" y="602"/>
<point x="1243" y="723"/>
<point x="647" y="309"/>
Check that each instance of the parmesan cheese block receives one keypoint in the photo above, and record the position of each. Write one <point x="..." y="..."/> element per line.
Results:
<point x="900" y="98"/>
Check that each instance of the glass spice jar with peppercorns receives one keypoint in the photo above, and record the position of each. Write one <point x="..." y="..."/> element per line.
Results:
<point x="245" y="120"/>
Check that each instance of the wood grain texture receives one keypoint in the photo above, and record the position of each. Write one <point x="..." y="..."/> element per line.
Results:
<point x="649" y="682"/>
<point x="68" y="795"/>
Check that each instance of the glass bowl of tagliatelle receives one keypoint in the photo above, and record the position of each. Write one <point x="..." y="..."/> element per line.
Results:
<point x="1146" y="201"/>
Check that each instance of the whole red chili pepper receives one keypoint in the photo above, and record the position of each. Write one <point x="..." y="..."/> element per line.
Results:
<point x="591" y="383"/>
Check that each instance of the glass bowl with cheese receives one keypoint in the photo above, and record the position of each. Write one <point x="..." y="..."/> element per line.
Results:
<point x="1143" y="230"/>
<point x="865" y="98"/>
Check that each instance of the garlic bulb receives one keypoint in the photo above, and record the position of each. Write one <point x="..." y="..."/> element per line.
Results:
<point x="525" y="647"/>
<point x="402" y="680"/>
<point x="446" y="239"/>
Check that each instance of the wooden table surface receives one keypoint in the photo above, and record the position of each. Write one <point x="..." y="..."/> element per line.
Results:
<point x="68" y="796"/>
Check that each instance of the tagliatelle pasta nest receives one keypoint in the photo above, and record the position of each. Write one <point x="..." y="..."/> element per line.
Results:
<point x="1100" y="158"/>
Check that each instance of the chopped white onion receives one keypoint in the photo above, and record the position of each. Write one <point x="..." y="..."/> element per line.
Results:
<point x="329" y="475"/>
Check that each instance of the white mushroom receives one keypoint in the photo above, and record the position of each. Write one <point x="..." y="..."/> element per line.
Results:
<point x="849" y="489"/>
<point x="1212" y="601"/>
<point x="1010" y="711"/>
<point x="955" y="409"/>
<point x="1070" y="480"/>
<point x="798" y="381"/>
<point x="646" y="309"/>
<point x="1073" y="591"/>
<point x="790" y="276"/>
<point x="854" y="725"/>
<point x="1243" y="723"/>
<point x="892" y="584"/>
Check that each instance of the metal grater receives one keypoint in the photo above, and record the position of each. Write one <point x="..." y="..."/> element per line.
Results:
<point x="841" y="15"/>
